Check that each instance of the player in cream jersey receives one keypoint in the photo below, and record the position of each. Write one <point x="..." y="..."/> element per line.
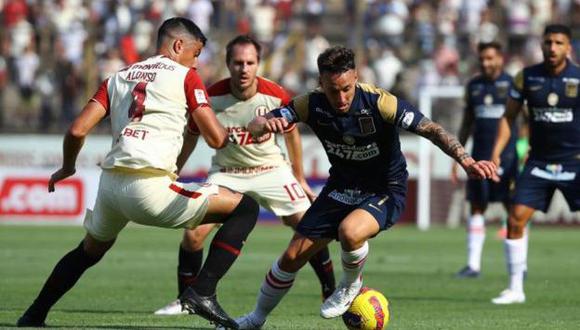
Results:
<point x="149" y="104"/>
<point x="259" y="170"/>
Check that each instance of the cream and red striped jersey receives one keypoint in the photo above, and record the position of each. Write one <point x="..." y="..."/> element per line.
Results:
<point x="149" y="104"/>
<point x="235" y="114"/>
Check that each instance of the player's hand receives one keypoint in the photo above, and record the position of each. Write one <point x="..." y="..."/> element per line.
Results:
<point x="482" y="169"/>
<point x="59" y="175"/>
<point x="259" y="127"/>
<point x="497" y="161"/>
<point x="309" y="193"/>
<point x="454" y="175"/>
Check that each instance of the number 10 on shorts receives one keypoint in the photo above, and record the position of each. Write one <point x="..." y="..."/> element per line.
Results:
<point x="294" y="191"/>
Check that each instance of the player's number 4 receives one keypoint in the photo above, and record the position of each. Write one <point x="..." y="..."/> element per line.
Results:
<point x="137" y="106"/>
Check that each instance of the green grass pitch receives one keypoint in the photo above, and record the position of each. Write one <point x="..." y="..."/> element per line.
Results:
<point x="413" y="269"/>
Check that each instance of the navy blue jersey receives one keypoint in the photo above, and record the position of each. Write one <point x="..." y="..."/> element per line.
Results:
<point x="362" y="144"/>
<point x="554" y="108"/>
<point x="486" y="100"/>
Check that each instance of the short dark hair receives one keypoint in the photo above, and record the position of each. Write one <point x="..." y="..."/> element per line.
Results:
<point x="179" y="25"/>
<point x="558" y="28"/>
<point x="337" y="59"/>
<point x="490" y="44"/>
<point x="242" y="40"/>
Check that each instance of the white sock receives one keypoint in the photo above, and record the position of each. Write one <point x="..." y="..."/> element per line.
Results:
<point x="274" y="287"/>
<point x="475" y="240"/>
<point x="516" y="263"/>
<point x="526" y="242"/>
<point x="352" y="263"/>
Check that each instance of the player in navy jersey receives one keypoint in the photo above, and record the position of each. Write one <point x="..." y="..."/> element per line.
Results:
<point x="358" y="126"/>
<point x="485" y="98"/>
<point x="550" y="90"/>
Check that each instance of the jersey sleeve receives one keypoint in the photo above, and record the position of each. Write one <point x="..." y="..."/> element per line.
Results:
<point x="195" y="92"/>
<point x="102" y="96"/>
<point x="517" y="88"/>
<point x="398" y="111"/>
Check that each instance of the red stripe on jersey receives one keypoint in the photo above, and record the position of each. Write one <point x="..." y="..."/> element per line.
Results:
<point x="184" y="192"/>
<point x="102" y="96"/>
<point x="195" y="92"/>
<point x="269" y="87"/>
<point x="221" y="87"/>
<point x="226" y="246"/>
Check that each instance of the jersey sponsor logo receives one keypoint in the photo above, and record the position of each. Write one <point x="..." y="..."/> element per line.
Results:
<point x="553" y="115"/>
<point x="537" y="79"/>
<point x="349" y="196"/>
<point x="367" y="125"/>
<point x="407" y="119"/>
<point x="488" y="99"/>
<point x="29" y="196"/>
<point x="553" y="172"/>
<point x="535" y="88"/>
<point x="494" y="111"/>
<point x="352" y="152"/>
<point x="199" y="96"/>
<point x="240" y="136"/>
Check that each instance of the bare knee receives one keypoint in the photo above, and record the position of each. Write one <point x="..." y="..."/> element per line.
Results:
<point x="193" y="239"/>
<point x="517" y="222"/>
<point x="291" y="261"/>
<point x="350" y="238"/>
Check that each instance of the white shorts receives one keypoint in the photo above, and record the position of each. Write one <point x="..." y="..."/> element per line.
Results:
<point x="147" y="199"/>
<point x="276" y="190"/>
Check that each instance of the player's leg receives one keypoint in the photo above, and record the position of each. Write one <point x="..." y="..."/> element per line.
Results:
<point x="320" y="262"/>
<point x="63" y="277"/>
<point x="478" y="195"/>
<point x="353" y="233"/>
<point x="238" y="214"/>
<point x="280" y="278"/>
<point x="103" y="225"/>
<point x="190" y="260"/>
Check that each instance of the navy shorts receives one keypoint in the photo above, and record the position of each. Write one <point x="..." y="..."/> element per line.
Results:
<point x="482" y="192"/>
<point x="322" y="219"/>
<point x="536" y="184"/>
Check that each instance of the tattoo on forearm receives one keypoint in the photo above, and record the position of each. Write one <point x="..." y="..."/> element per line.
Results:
<point x="441" y="138"/>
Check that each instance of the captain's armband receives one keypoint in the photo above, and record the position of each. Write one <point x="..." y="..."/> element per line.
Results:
<point x="284" y="112"/>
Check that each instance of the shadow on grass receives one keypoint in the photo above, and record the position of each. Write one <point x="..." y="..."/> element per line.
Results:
<point x="13" y="325"/>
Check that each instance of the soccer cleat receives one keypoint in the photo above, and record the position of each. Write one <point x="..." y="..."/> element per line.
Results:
<point x="27" y="320"/>
<point x="508" y="297"/>
<point x="247" y="322"/>
<point x="467" y="272"/>
<point x="173" y="308"/>
<point x="206" y="307"/>
<point x="340" y="300"/>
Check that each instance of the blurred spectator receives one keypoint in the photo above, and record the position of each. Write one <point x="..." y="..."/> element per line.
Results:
<point x="110" y="64"/>
<point x="387" y="67"/>
<point x="200" y="12"/>
<point x="27" y="65"/>
<point x="390" y="17"/>
<point x="314" y="44"/>
<point x="262" y="19"/>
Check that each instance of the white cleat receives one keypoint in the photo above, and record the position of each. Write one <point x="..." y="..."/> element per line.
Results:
<point x="508" y="297"/>
<point x="173" y="308"/>
<point x="340" y="300"/>
<point x="247" y="322"/>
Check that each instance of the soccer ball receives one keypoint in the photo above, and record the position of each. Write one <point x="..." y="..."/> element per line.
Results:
<point x="369" y="310"/>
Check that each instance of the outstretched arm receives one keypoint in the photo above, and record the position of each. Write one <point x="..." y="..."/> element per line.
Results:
<point x="74" y="139"/>
<point x="451" y="146"/>
<point x="464" y="133"/>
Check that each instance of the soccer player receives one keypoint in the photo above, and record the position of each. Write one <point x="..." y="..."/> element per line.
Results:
<point x="550" y="90"/>
<point x="257" y="169"/>
<point x="365" y="194"/>
<point x="485" y="98"/>
<point x="149" y="104"/>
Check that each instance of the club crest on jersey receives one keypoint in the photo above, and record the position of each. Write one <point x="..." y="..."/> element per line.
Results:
<point x="261" y="110"/>
<point x="552" y="99"/>
<point x="502" y="88"/>
<point x="367" y="125"/>
<point x="571" y="88"/>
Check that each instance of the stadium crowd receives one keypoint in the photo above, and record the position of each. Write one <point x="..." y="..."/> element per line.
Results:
<point x="54" y="53"/>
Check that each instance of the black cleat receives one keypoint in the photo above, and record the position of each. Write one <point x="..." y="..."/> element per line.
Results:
<point x="467" y="272"/>
<point x="206" y="307"/>
<point x="29" y="321"/>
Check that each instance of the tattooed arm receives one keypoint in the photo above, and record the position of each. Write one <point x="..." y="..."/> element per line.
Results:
<point x="451" y="146"/>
